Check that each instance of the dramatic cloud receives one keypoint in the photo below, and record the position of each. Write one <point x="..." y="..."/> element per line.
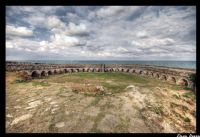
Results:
<point x="101" y="32"/>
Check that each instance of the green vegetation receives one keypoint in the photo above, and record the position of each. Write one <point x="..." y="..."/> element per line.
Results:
<point x="186" y="119"/>
<point x="40" y="84"/>
<point x="189" y="95"/>
<point x="20" y="81"/>
<point x="193" y="77"/>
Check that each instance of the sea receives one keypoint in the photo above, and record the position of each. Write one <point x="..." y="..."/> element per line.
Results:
<point x="175" y="64"/>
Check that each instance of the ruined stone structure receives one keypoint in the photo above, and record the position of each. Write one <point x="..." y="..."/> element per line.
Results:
<point x="172" y="75"/>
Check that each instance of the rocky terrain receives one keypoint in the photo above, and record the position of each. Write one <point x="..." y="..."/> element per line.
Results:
<point x="98" y="102"/>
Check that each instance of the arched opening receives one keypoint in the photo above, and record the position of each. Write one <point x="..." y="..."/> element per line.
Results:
<point x="55" y="71"/>
<point x="172" y="79"/>
<point x="140" y="72"/>
<point x="50" y="72"/>
<point x="122" y="70"/>
<point x="65" y="70"/>
<point x="156" y="75"/>
<point x="43" y="73"/>
<point x="163" y="77"/>
<point x="127" y="70"/>
<point x="183" y="82"/>
<point x="35" y="74"/>
<point x="77" y="70"/>
<point x="151" y="74"/>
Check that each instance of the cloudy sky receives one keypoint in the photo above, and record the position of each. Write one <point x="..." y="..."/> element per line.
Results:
<point x="100" y="33"/>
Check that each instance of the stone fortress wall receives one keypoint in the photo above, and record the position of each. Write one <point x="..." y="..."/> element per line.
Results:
<point x="173" y="75"/>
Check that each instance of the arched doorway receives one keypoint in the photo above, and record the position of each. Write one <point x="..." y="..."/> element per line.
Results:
<point x="43" y="73"/>
<point x="183" y="82"/>
<point x="35" y="74"/>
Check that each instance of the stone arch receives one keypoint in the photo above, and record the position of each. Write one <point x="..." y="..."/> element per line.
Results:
<point x="144" y="72"/>
<point x="65" y="70"/>
<point x="105" y="70"/>
<point x="183" y="82"/>
<point x="163" y="77"/>
<point x="140" y="71"/>
<point x="44" y="73"/>
<point x="84" y="70"/>
<point x="172" y="79"/>
<point x="80" y="69"/>
<point x="150" y="73"/>
<point x="91" y="70"/>
<point x="74" y="70"/>
<point x="77" y="70"/>
<point x="127" y="70"/>
<point x="56" y="71"/>
<point x="133" y="71"/>
<point x="62" y="71"/>
<point x="97" y="70"/>
<point x="69" y="70"/>
<point x="156" y="75"/>
<point x="35" y="74"/>
<point x="50" y="72"/>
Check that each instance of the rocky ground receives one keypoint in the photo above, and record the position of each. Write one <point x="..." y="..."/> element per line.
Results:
<point x="96" y="103"/>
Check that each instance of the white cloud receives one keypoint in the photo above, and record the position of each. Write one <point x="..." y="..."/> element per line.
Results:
<point x="134" y="32"/>
<point x="54" y="22"/>
<point x="76" y="29"/>
<point x="18" y="31"/>
<point x="142" y="34"/>
<point x="9" y="44"/>
<point x="109" y="11"/>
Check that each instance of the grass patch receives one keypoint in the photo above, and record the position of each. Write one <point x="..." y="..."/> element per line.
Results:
<point x="176" y="87"/>
<point x="187" y="119"/>
<point x="186" y="88"/>
<point x="20" y="81"/>
<point x="40" y="84"/>
<point x="115" y="88"/>
<point x="189" y="95"/>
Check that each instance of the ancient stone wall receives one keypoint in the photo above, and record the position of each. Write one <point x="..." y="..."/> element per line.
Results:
<point x="172" y="75"/>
